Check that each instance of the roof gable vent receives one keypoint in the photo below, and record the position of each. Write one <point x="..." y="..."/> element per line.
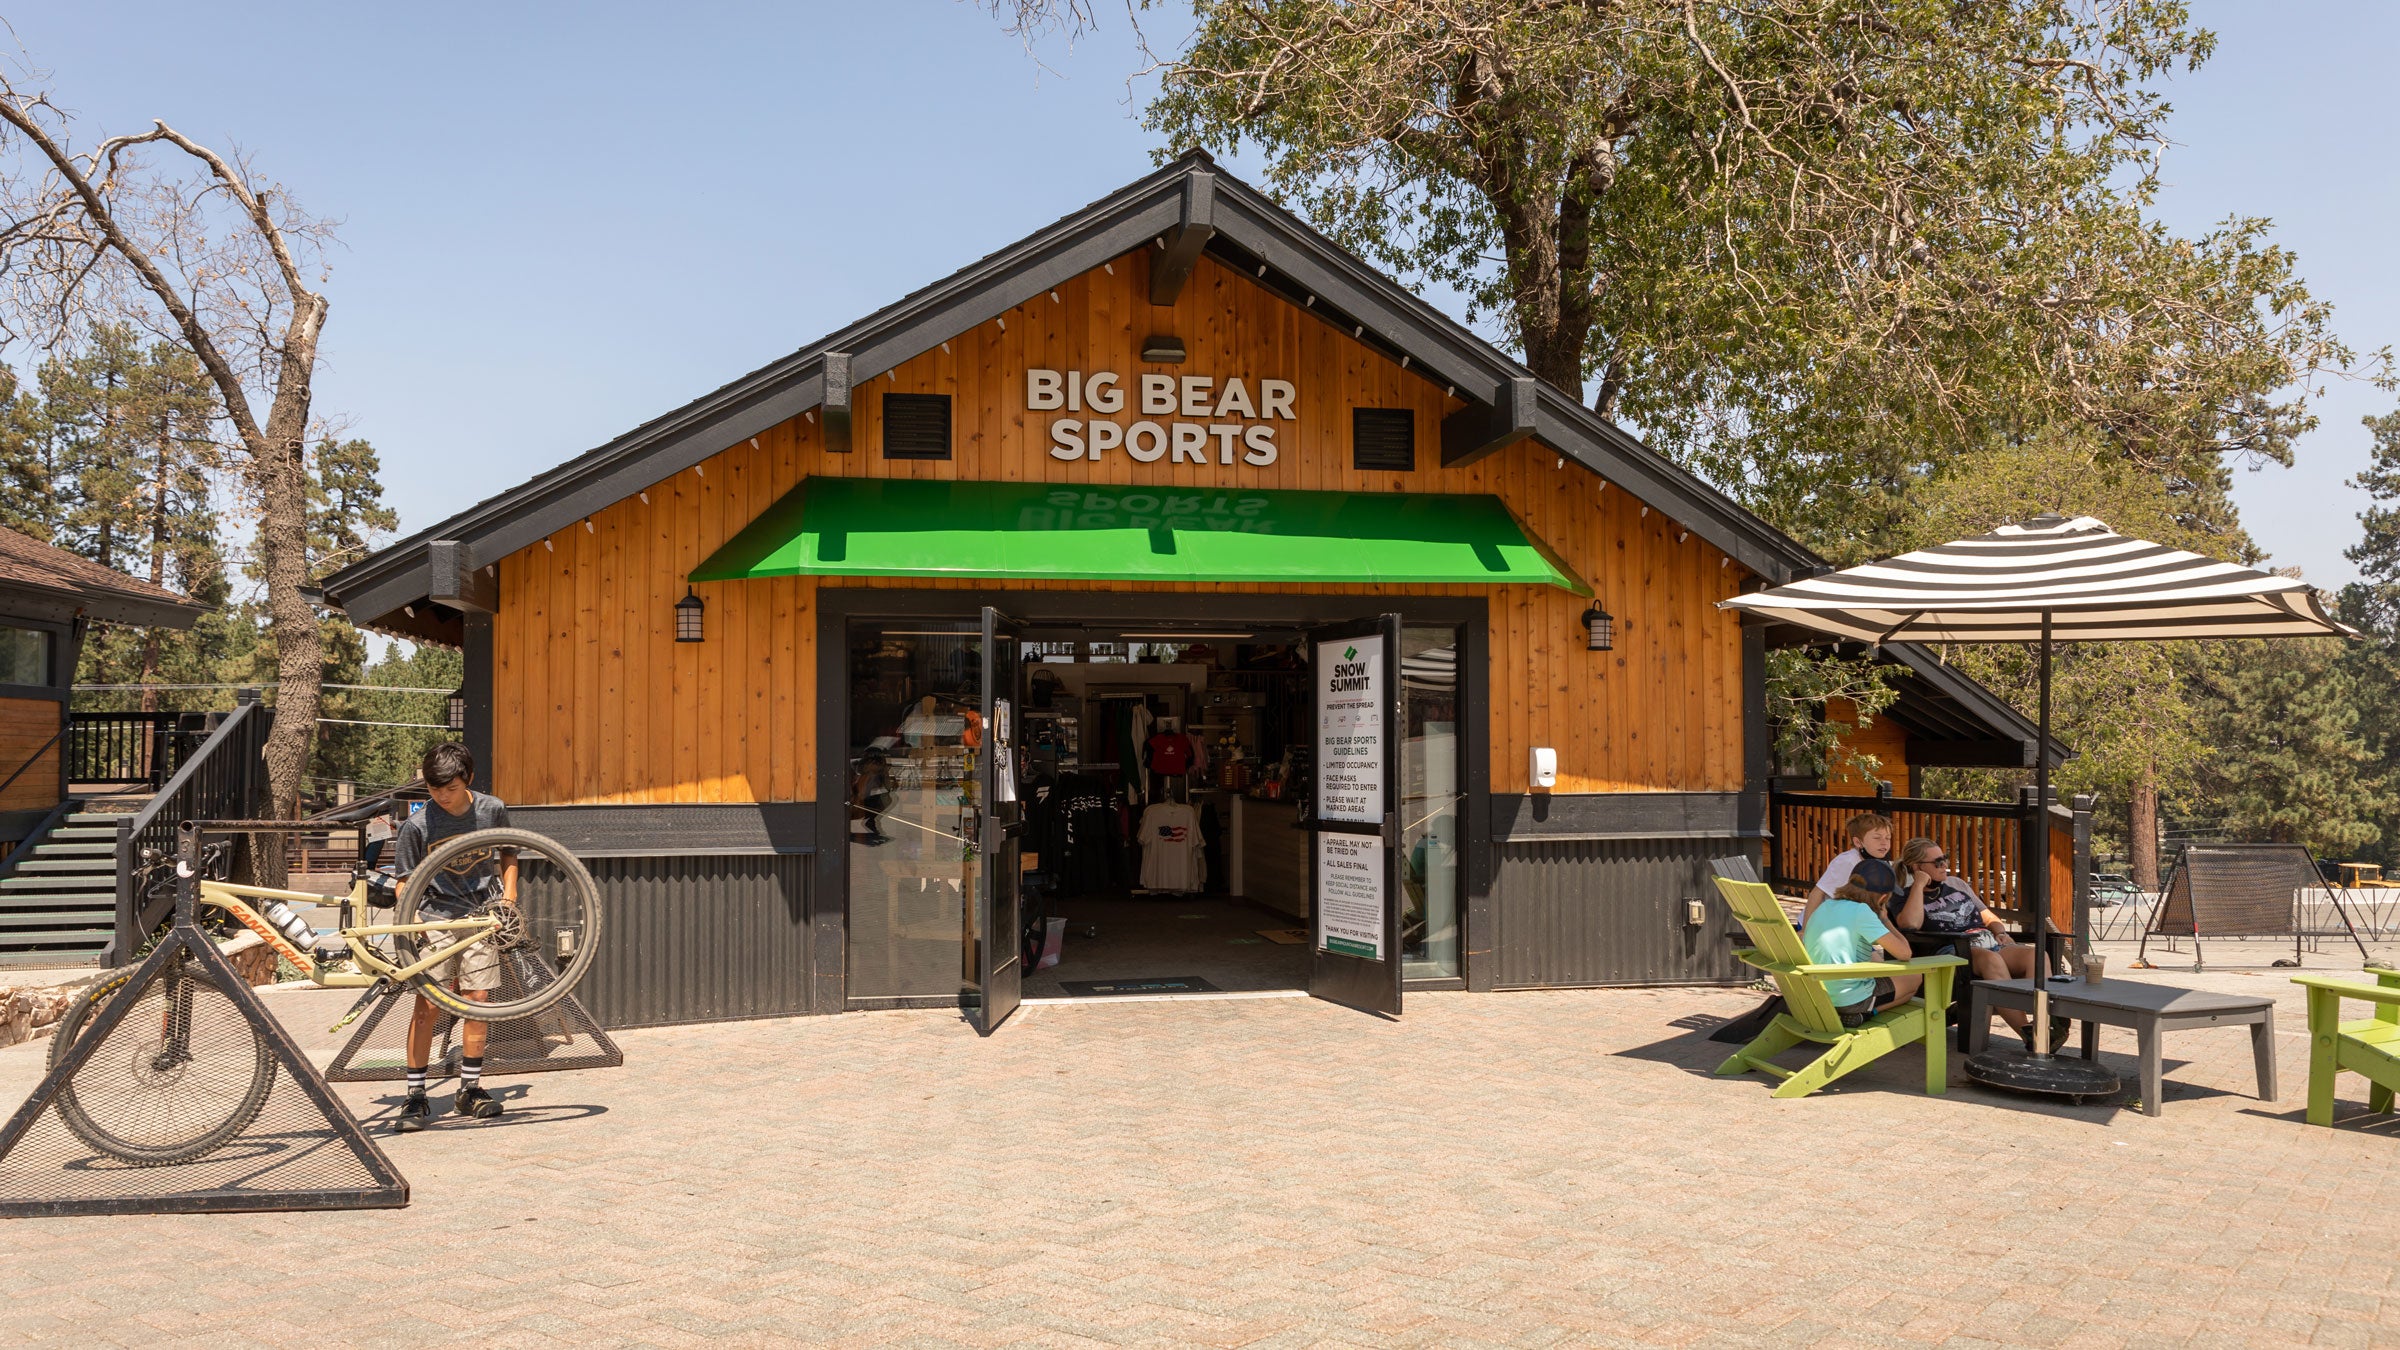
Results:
<point x="1383" y="440"/>
<point x="916" y="426"/>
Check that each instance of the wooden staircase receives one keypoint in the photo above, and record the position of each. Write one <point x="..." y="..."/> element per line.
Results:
<point x="58" y="903"/>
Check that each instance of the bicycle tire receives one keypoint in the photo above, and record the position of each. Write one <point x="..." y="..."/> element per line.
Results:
<point x="146" y="1075"/>
<point x="575" y="881"/>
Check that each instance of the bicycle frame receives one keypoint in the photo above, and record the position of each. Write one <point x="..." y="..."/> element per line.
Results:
<point x="373" y="969"/>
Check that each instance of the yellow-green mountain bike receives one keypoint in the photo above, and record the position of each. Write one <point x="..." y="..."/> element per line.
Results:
<point x="184" y="1071"/>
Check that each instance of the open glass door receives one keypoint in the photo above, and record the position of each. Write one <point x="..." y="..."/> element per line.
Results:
<point x="1354" y="889"/>
<point x="995" y="954"/>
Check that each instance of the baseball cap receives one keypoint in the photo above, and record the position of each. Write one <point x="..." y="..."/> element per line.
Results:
<point x="1874" y="874"/>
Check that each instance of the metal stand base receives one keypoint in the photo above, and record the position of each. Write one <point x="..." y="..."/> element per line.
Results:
<point x="2050" y="1075"/>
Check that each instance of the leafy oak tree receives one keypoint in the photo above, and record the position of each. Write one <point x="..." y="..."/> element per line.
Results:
<point x="1811" y="247"/>
<point x="200" y="250"/>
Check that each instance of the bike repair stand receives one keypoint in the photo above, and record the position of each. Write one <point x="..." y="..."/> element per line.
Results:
<point x="300" y="1148"/>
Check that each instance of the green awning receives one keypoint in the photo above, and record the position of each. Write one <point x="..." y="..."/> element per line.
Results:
<point x="899" y="527"/>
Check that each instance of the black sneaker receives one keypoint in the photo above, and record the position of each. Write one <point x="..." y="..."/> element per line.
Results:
<point x="414" y="1113"/>
<point x="478" y="1103"/>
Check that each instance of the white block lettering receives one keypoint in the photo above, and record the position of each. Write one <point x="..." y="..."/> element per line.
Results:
<point x="1042" y="390"/>
<point x="1191" y="443"/>
<point x="1236" y="400"/>
<point x="1261" y="442"/>
<point x="1275" y="399"/>
<point x="1106" y="435"/>
<point x="1195" y="395"/>
<point x="1066" y="438"/>
<point x="1100" y="394"/>
<point x="1156" y="447"/>
<point x="1158" y="394"/>
<point x="1226" y="433"/>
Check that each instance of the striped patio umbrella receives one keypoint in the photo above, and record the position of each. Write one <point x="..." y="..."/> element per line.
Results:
<point x="2049" y="579"/>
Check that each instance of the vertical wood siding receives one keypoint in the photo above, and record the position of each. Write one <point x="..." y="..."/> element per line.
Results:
<point x="595" y="702"/>
<point x="25" y="723"/>
<point x="1882" y="738"/>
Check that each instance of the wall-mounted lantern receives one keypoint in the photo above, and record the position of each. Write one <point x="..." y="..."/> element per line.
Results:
<point x="1599" y="630"/>
<point x="687" y="616"/>
<point x="458" y="709"/>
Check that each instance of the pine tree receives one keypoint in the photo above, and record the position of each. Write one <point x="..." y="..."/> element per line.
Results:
<point x="2292" y="763"/>
<point x="346" y="513"/>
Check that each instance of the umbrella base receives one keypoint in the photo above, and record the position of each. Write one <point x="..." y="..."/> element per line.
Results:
<point x="2050" y="1075"/>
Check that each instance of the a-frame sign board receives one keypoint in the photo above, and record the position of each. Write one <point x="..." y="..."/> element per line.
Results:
<point x="185" y="1096"/>
<point x="560" y="1037"/>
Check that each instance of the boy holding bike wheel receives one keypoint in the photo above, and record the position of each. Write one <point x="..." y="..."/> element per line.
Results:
<point x="466" y="883"/>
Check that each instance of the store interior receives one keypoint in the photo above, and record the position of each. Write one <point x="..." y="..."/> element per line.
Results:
<point x="1159" y="775"/>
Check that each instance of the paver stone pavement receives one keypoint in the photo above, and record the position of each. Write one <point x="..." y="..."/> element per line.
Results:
<point x="1523" y="1169"/>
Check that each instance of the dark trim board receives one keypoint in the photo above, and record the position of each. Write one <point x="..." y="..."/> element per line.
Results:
<point x="1620" y="815"/>
<point x="838" y="606"/>
<point x="675" y="830"/>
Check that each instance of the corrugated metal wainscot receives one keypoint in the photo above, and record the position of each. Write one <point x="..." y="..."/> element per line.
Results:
<point x="709" y="938"/>
<point x="1609" y="912"/>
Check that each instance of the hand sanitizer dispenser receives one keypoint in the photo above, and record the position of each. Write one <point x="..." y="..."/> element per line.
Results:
<point x="1542" y="768"/>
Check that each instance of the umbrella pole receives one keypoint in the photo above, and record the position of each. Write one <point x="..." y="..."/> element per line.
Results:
<point x="2041" y="1071"/>
<point x="2040" y="890"/>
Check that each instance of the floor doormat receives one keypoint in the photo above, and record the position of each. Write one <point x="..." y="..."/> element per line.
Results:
<point x="1156" y="984"/>
<point x="1289" y="937"/>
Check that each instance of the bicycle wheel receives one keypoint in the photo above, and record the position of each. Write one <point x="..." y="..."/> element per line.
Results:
<point x="181" y="1073"/>
<point x="546" y="941"/>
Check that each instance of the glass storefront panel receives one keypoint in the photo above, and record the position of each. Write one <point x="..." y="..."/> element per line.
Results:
<point x="915" y="727"/>
<point x="1432" y="795"/>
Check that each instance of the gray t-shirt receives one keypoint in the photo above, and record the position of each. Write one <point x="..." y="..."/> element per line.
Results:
<point x="467" y="880"/>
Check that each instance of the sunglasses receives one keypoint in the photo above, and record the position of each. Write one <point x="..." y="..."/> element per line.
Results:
<point x="1937" y="860"/>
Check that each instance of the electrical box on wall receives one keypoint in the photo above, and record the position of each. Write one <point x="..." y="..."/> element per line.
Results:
<point x="1541" y="768"/>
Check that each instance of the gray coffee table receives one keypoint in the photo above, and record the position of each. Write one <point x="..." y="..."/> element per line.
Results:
<point x="2151" y="1010"/>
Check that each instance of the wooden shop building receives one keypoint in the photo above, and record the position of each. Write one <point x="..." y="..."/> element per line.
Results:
<point x="1166" y="602"/>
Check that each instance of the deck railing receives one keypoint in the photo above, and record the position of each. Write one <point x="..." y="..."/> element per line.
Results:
<point x="1988" y="844"/>
<point x="131" y="749"/>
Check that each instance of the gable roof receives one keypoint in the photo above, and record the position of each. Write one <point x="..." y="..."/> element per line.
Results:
<point x="1243" y="228"/>
<point x="39" y="580"/>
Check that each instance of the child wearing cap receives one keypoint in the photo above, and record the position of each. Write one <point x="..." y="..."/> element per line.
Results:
<point x="1853" y="925"/>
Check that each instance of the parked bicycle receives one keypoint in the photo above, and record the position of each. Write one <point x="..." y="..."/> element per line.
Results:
<point x="184" y="1071"/>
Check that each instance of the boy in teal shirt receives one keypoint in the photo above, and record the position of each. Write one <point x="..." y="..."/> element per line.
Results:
<point x="1853" y="926"/>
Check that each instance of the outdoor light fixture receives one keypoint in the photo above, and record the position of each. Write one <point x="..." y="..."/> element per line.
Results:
<point x="458" y="710"/>
<point x="1599" y="630"/>
<point x="687" y="616"/>
<point x="1163" y="349"/>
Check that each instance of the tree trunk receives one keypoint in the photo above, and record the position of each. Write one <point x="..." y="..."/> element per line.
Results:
<point x="292" y="621"/>
<point x="158" y="571"/>
<point x="2142" y="832"/>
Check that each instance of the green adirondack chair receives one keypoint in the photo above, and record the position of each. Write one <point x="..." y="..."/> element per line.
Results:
<point x="1808" y="1016"/>
<point x="2369" y="1048"/>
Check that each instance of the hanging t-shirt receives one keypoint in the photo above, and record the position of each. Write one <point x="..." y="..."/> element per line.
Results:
<point x="1170" y="835"/>
<point x="1170" y="754"/>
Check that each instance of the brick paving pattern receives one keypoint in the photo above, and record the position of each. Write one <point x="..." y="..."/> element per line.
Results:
<point x="1511" y="1169"/>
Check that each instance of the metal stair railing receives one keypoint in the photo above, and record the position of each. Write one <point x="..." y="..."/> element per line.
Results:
<point x="222" y="780"/>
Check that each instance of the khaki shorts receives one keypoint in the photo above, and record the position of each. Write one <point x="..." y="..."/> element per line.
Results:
<point x="477" y="970"/>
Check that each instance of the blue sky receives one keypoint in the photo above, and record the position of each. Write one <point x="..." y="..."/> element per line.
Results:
<point x="560" y="221"/>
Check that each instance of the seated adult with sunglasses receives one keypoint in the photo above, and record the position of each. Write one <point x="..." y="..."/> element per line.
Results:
<point x="1941" y="915"/>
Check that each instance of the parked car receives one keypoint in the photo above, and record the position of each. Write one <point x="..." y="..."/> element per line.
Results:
<point x="2112" y="888"/>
